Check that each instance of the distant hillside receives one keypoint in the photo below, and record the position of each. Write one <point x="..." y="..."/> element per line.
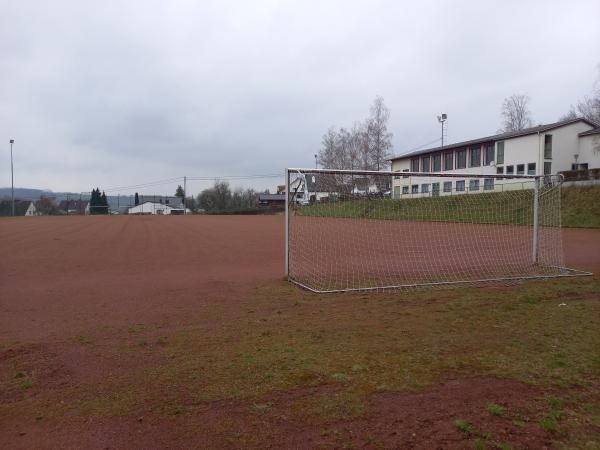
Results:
<point x="25" y="193"/>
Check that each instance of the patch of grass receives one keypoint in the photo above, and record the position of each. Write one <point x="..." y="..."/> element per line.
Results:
<point x="20" y="374"/>
<point x="27" y="384"/>
<point x="495" y="409"/>
<point x="331" y="407"/>
<point x="262" y="408"/>
<point x="549" y="422"/>
<point x="520" y="421"/>
<point x="465" y="426"/>
<point x="84" y="339"/>
<point x="479" y="444"/>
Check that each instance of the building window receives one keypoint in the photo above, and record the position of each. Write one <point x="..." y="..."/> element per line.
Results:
<point x="461" y="159"/>
<point x="473" y="185"/>
<point x="531" y="169"/>
<point x="499" y="170"/>
<point x="405" y="170"/>
<point x="510" y="170"/>
<point x="520" y="169"/>
<point x="548" y="146"/>
<point x="414" y="188"/>
<point x="437" y="162"/>
<point x="425" y="163"/>
<point x="414" y="165"/>
<point x="447" y="186"/>
<point x="435" y="189"/>
<point x="547" y="168"/>
<point x="460" y="186"/>
<point x="425" y="188"/>
<point x="488" y="184"/>
<point x="488" y="156"/>
<point x="475" y="160"/>
<point x="500" y="153"/>
<point x="405" y="189"/>
<point x="448" y="161"/>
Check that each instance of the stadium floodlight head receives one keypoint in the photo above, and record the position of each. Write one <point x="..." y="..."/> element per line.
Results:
<point x="12" y="141"/>
<point x="442" y="118"/>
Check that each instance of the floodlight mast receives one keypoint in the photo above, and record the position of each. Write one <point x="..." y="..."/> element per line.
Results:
<point x="442" y="119"/>
<point x="12" y="179"/>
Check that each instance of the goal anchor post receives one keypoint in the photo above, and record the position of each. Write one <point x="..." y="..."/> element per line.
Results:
<point x="536" y="218"/>
<point x="287" y="222"/>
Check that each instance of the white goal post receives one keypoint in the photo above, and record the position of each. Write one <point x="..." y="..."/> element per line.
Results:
<point x="353" y="230"/>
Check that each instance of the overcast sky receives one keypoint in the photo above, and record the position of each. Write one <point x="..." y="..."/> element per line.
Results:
<point x="118" y="93"/>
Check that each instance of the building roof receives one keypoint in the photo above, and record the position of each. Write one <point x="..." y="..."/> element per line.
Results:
<point x="180" y="206"/>
<point x="20" y="207"/>
<point x="500" y="137"/>
<point x="590" y="132"/>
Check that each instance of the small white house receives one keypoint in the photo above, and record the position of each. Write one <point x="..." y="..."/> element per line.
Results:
<point x="159" y="209"/>
<point x="541" y="150"/>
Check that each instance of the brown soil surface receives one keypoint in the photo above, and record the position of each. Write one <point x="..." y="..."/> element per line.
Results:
<point x="61" y="277"/>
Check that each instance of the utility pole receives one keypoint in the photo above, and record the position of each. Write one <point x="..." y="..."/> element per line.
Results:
<point x="12" y="179"/>
<point x="316" y="166"/>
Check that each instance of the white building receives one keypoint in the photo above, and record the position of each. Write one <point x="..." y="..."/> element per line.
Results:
<point x="152" y="208"/>
<point x="542" y="150"/>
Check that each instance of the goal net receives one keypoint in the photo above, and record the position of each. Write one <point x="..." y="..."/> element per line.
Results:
<point x="366" y="230"/>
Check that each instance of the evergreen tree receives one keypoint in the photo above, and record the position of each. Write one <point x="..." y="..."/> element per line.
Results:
<point x="93" y="202"/>
<point x="104" y="201"/>
<point x="179" y="192"/>
<point x="137" y="199"/>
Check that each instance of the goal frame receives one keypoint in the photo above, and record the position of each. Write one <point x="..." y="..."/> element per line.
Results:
<point x="537" y="179"/>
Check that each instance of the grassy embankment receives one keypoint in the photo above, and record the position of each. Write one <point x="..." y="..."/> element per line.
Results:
<point x="580" y="208"/>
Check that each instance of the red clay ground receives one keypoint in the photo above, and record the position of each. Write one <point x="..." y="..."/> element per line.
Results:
<point x="74" y="289"/>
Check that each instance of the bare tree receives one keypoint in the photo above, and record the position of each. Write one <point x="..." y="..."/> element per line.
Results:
<point x="589" y="107"/>
<point x="379" y="139"/>
<point x="515" y="113"/>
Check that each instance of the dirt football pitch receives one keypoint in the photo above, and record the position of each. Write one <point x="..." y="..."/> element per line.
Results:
<point x="180" y="332"/>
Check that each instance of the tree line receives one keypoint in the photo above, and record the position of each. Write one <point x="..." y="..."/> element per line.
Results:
<point x="220" y="197"/>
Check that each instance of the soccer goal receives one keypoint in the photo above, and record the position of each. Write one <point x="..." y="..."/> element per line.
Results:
<point x="366" y="230"/>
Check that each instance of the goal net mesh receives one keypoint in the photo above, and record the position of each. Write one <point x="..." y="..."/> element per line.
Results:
<point x="365" y="230"/>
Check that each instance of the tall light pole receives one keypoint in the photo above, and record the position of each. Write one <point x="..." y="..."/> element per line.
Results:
<point x="12" y="179"/>
<point x="316" y="166"/>
<point x="442" y="119"/>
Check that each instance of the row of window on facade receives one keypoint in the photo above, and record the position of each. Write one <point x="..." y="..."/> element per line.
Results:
<point x="510" y="170"/>
<point x="460" y="186"/>
<point x="457" y="159"/>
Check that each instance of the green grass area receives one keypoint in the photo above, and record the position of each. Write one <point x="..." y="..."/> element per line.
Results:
<point x="581" y="206"/>
<point x="349" y="347"/>
<point x="511" y="207"/>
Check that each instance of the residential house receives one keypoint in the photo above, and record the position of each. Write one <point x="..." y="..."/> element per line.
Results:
<point x="160" y="209"/>
<point x="72" y="207"/>
<point x="22" y="208"/>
